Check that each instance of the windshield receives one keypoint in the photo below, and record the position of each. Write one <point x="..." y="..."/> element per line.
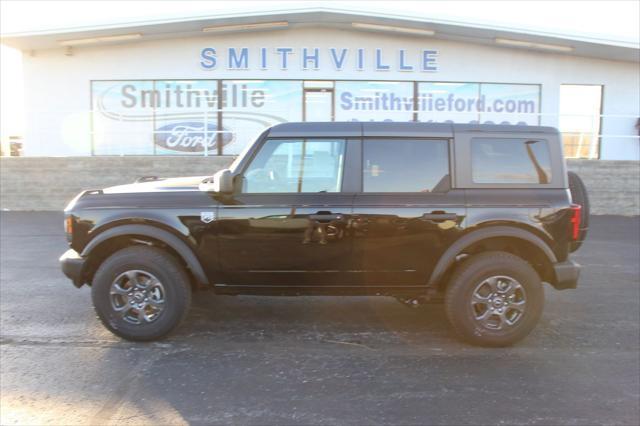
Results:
<point x="244" y="152"/>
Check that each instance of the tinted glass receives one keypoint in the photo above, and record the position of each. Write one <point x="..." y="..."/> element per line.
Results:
<point x="403" y="165"/>
<point x="301" y="165"/>
<point x="510" y="161"/>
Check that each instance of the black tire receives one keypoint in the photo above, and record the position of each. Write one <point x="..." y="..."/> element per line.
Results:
<point x="580" y="196"/>
<point x="471" y="274"/>
<point x="176" y="292"/>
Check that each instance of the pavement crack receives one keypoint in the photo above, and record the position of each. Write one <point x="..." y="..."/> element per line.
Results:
<point x="4" y="341"/>
<point x="349" y="343"/>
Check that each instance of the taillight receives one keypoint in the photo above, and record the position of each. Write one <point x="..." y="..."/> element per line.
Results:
<point x="576" y="209"/>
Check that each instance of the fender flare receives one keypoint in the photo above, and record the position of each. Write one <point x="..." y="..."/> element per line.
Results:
<point x="448" y="258"/>
<point x="185" y="252"/>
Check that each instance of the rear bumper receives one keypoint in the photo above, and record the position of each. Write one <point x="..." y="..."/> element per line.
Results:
<point x="567" y="274"/>
<point x="72" y="265"/>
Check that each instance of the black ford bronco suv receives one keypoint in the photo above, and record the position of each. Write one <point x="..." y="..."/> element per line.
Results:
<point x="476" y="215"/>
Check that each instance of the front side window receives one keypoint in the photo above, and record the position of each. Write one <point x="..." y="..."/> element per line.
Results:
<point x="296" y="166"/>
<point x="510" y="161"/>
<point x="405" y="165"/>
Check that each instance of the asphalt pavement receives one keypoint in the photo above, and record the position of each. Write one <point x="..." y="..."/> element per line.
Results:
<point x="315" y="360"/>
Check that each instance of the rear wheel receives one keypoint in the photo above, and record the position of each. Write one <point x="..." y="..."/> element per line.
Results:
<point x="141" y="293"/>
<point x="494" y="299"/>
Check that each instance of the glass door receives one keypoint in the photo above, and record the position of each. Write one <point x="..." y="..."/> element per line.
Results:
<point x="318" y="104"/>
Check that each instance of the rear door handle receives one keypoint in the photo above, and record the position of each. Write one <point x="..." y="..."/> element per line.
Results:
<point x="439" y="217"/>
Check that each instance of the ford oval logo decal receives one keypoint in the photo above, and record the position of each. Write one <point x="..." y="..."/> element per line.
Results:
<point x="189" y="136"/>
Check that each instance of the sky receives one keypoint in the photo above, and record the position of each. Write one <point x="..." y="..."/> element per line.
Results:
<point x="610" y="20"/>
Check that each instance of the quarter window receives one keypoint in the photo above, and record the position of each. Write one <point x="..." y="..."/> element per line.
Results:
<point x="405" y="165"/>
<point x="515" y="161"/>
<point x="297" y="165"/>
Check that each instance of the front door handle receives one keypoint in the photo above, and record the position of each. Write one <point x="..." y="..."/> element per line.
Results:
<point x="324" y="216"/>
<point x="439" y="216"/>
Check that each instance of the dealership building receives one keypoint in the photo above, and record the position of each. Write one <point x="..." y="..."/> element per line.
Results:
<point x="207" y="86"/>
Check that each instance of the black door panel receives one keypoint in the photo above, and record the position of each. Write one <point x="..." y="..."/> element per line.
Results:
<point x="305" y="239"/>
<point x="407" y="213"/>
<point x="398" y="238"/>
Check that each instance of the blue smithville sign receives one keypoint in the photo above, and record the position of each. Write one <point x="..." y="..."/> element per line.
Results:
<point x="284" y="58"/>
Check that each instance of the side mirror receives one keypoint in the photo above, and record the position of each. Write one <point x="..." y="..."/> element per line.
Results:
<point x="221" y="182"/>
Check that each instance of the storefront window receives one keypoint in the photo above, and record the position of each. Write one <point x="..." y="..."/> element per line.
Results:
<point x="155" y="117"/>
<point x="579" y="121"/>
<point x="478" y="103"/>
<point x="185" y="118"/>
<point x="510" y="103"/>
<point x="250" y="106"/>
<point x="123" y="114"/>
<point x="373" y="101"/>
<point x="190" y="117"/>
<point x="454" y="102"/>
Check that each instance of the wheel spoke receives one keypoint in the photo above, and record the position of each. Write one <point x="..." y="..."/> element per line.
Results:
<point x="122" y="310"/>
<point x="484" y="316"/>
<point x="142" y="317"/>
<point x="501" y="320"/>
<point x="116" y="289"/>
<point x="504" y="286"/>
<point x="513" y="288"/>
<point x="493" y="284"/>
<point x="158" y="304"/>
<point x="133" y="278"/>
<point x="518" y="306"/>
<point x="477" y="299"/>
<point x="487" y="320"/>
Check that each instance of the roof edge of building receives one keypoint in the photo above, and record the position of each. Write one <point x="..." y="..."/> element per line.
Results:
<point x="292" y="13"/>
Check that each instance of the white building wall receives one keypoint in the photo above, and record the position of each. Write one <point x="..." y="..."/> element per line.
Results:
<point x="58" y="94"/>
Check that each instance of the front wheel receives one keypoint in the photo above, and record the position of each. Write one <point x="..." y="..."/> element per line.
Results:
<point x="141" y="293"/>
<point x="494" y="299"/>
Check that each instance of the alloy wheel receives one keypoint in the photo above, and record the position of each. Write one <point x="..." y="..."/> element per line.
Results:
<point x="137" y="296"/>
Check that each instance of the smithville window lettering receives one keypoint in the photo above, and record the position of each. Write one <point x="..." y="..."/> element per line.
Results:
<point x="311" y="59"/>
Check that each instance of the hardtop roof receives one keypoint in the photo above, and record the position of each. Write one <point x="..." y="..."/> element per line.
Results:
<point x="390" y="129"/>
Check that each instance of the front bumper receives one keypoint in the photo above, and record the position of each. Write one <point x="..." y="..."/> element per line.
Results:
<point x="567" y="274"/>
<point x="72" y="265"/>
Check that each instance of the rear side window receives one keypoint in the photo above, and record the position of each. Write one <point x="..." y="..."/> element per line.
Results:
<point x="510" y="161"/>
<point x="405" y="165"/>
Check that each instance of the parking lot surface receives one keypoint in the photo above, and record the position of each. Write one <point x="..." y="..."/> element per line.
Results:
<point x="315" y="360"/>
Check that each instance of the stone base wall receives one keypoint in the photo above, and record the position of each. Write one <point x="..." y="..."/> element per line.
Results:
<point x="49" y="183"/>
<point x="613" y="186"/>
